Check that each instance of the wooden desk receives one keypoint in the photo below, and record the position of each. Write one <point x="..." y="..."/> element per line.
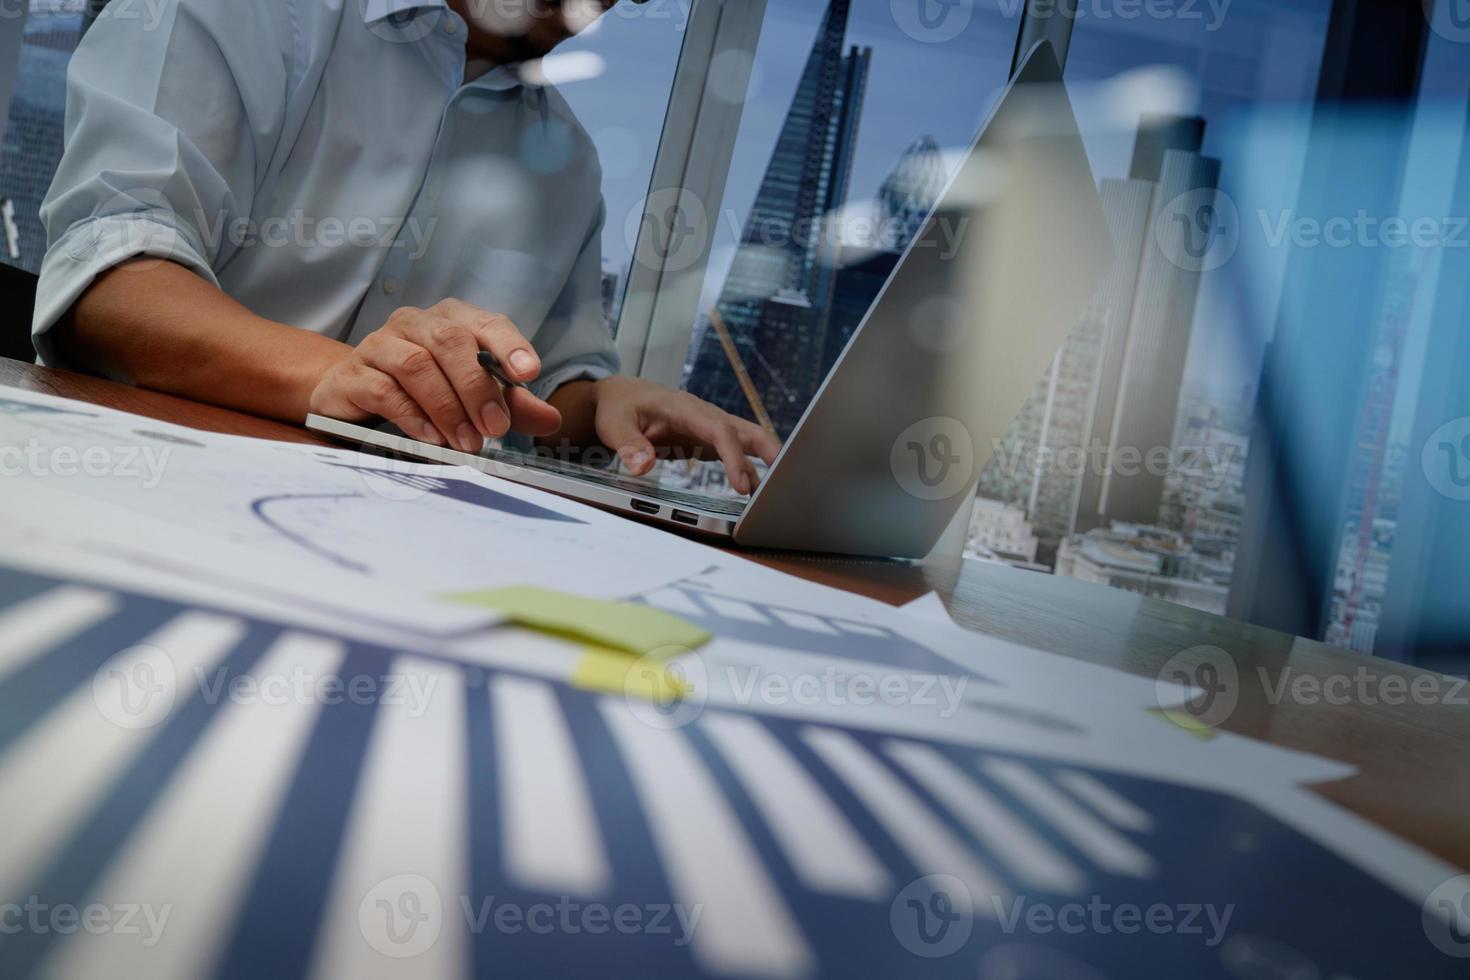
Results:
<point x="1413" y="759"/>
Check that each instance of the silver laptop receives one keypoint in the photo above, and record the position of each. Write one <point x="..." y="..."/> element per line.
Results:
<point x="894" y="440"/>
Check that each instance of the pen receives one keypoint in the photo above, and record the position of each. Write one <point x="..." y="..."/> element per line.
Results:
<point x="491" y="363"/>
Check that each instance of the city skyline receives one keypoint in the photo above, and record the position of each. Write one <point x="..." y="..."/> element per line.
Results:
<point x="1203" y="376"/>
<point x="1116" y="384"/>
<point x="915" y="89"/>
<point x="775" y="305"/>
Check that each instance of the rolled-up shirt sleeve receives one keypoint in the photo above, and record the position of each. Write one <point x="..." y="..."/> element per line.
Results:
<point x="574" y="342"/>
<point x="168" y="116"/>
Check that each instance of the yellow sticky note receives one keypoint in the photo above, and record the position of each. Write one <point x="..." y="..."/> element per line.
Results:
<point x="615" y="672"/>
<point x="1186" y="721"/>
<point x="640" y="630"/>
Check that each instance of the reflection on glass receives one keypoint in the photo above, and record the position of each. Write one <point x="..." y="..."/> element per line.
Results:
<point x="33" y="130"/>
<point x="617" y="75"/>
<point x="1127" y="465"/>
<point x="840" y="156"/>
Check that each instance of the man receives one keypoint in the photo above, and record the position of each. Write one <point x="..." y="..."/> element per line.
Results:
<point x="331" y="206"/>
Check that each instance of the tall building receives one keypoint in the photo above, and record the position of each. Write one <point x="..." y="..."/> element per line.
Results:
<point x="909" y="193"/>
<point x="1147" y="560"/>
<point x="1126" y="204"/>
<point x="37" y="114"/>
<point x="1158" y="344"/>
<point x="1048" y="464"/>
<point x="905" y="199"/>
<point x="1115" y="383"/>
<point x="786" y="348"/>
<point x="784" y="248"/>
<point x="1374" y="483"/>
<point x="860" y="279"/>
<point x="1000" y="532"/>
<point x="612" y="299"/>
<point x="1204" y="493"/>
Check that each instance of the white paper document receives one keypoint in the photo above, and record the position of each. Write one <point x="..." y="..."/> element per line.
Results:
<point x="379" y="537"/>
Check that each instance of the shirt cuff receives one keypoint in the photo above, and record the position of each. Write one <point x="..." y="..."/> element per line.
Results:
<point x="544" y="386"/>
<point x="90" y="248"/>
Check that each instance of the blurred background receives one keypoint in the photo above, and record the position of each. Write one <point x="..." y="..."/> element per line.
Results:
<point x="1263" y="413"/>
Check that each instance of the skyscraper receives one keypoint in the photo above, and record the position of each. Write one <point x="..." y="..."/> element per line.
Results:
<point x="1157" y="345"/>
<point x="612" y="299"/>
<point x="1115" y="384"/>
<point x="1045" y="464"/>
<point x="909" y="193"/>
<point x="1375" y="476"/>
<point x="33" y="137"/>
<point x="905" y="199"/>
<point x="785" y="249"/>
<point x="1126" y="204"/>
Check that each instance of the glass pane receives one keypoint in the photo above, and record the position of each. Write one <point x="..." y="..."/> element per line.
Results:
<point x="1127" y="465"/>
<point x="854" y="117"/>
<point x="1252" y="416"/>
<point x="33" y="132"/>
<point x="617" y="76"/>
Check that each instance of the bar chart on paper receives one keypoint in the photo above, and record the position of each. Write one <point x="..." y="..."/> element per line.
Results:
<point x="147" y="759"/>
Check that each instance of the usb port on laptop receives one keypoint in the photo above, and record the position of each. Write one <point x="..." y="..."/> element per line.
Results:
<point x="684" y="517"/>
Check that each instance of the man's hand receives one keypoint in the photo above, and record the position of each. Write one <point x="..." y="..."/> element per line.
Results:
<point x="420" y="372"/>
<point x="633" y="416"/>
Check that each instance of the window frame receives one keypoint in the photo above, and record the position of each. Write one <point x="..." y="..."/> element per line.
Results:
<point x="693" y="158"/>
<point x="12" y="33"/>
<point x="660" y="306"/>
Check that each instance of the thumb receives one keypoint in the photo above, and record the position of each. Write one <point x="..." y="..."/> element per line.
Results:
<point x="619" y="431"/>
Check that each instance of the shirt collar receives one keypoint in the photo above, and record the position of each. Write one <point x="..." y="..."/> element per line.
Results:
<point x="377" y="11"/>
<point x="505" y="78"/>
<point x="501" y="79"/>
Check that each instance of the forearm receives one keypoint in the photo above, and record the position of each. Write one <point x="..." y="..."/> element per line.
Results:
<point x="577" y="402"/>
<point x="164" y="328"/>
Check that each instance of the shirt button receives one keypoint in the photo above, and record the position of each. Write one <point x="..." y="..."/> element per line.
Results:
<point x="390" y="286"/>
<point x="451" y="26"/>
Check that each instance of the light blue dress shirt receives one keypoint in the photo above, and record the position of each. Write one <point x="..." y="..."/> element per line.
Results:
<point x="323" y="162"/>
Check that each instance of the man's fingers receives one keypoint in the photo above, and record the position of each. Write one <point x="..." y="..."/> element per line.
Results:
<point x="530" y="415"/>
<point x="456" y="348"/>
<point x="496" y="334"/>
<point x="417" y="371"/>
<point x="716" y="430"/>
<point x="620" y="432"/>
<point x="375" y="393"/>
<point x="756" y="440"/>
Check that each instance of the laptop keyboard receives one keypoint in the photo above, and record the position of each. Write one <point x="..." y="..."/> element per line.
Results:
<point x="728" y="506"/>
<point x="725" y="506"/>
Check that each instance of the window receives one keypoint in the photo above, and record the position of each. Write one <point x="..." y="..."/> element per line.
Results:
<point x="617" y="76"/>
<point x="33" y="127"/>
<point x="1127" y="465"/>
<point x="1256" y="416"/>
<point x="853" y="114"/>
